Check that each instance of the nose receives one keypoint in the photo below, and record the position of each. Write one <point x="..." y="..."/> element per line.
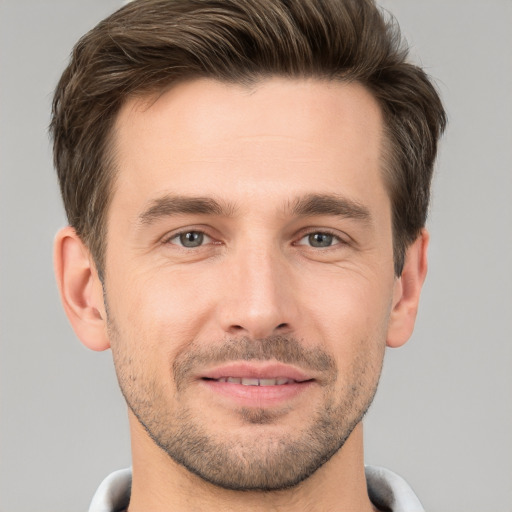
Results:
<point x="258" y="299"/>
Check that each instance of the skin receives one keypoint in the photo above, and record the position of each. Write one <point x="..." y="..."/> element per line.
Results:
<point x="260" y="153"/>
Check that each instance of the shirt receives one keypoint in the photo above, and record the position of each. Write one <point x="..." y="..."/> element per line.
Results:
<point x="386" y="490"/>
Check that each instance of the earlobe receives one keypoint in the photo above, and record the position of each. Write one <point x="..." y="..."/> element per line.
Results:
<point x="407" y="292"/>
<point x="80" y="289"/>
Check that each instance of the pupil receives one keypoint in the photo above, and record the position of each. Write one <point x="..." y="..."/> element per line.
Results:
<point x="320" y="240"/>
<point x="191" y="239"/>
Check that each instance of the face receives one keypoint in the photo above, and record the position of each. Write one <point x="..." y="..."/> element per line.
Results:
<point x="249" y="273"/>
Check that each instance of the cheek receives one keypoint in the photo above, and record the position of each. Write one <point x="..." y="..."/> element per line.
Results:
<point x="350" y="312"/>
<point x="350" y="297"/>
<point x="163" y="308"/>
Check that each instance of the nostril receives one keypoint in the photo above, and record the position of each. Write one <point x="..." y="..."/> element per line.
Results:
<point x="258" y="331"/>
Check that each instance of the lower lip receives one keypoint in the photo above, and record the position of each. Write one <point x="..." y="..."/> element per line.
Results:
<point x="257" y="396"/>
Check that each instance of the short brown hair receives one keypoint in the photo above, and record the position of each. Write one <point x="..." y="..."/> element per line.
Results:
<point x="149" y="45"/>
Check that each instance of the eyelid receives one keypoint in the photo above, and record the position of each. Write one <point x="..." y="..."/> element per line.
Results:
<point x="341" y="238"/>
<point x="205" y="241"/>
<point x="167" y="238"/>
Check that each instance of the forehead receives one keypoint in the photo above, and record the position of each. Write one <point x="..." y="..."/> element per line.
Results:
<point x="300" y="108"/>
<point x="206" y="135"/>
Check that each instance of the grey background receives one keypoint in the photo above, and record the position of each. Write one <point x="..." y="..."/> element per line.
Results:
<point x="443" y="414"/>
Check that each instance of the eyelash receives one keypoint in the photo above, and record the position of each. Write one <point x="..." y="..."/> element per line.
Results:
<point x="173" y="236"/>
<point x="336" y="238"/>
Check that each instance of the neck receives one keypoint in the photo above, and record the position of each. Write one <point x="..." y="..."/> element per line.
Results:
<point x="161" y="485"/>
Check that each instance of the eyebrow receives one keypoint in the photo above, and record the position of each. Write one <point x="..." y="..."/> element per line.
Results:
<point x="170" y="205"/>
<point x="309" y="205"/>
<point x="330" y="204"/>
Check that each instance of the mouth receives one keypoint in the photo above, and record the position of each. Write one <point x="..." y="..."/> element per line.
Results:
<point x="257" y="384"/>
<point x="248" y="381"/>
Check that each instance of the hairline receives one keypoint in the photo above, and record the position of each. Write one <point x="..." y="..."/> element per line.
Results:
<point x="150" y="95"/>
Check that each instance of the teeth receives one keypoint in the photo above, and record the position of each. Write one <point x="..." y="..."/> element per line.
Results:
<point x="250" y="382"/>
<point x="269" y="382"/>
<point x="256" y="382"/>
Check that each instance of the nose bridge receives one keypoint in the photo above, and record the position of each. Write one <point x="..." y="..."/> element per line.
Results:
<point x="259" y="302"/>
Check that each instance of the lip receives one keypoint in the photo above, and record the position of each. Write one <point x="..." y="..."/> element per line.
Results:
<point x="255" y="370"/>
<point x="252" y="395"/>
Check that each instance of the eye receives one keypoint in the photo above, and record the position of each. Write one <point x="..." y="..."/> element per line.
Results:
<point x="190" y="239"/>
<point x="319" y="240"/>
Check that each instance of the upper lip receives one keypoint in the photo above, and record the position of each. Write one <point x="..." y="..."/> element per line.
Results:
<point x="256" y="370"/>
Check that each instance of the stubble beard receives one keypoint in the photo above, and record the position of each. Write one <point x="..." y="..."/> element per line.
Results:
<point x="265" y="461"/>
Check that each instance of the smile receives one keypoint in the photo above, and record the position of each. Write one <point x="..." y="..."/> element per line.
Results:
<point x="244" y="381"/>
<point x="256" y="384"/>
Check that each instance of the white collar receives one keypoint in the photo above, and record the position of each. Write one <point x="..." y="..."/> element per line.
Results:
<point x="387" y="491"/>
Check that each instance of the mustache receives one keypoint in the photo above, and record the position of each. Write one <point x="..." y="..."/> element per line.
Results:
<point x="284" y="349"/>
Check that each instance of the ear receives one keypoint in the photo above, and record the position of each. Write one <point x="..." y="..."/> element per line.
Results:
<point x="80" y="289"/>
<point x="406" y="295"/>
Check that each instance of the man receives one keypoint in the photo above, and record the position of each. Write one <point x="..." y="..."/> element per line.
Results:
<point x="246" y="183"/>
